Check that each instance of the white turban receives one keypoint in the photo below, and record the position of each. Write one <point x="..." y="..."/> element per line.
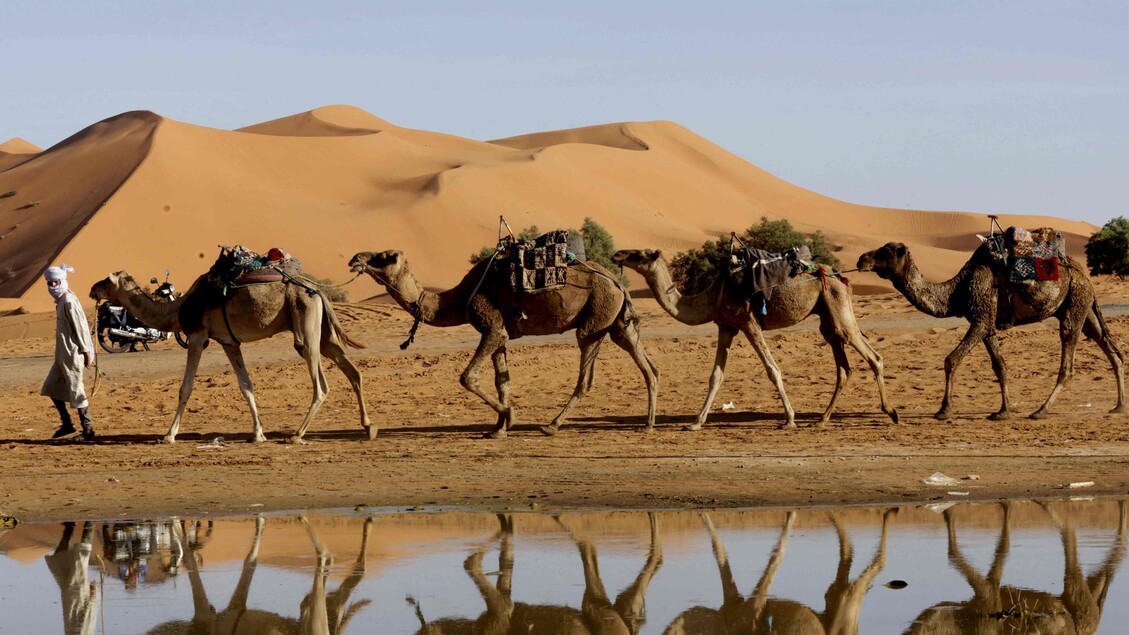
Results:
<point x="58" y="273"/>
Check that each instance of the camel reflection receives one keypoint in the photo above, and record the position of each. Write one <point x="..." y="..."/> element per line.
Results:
<point x="997" y="608"/>
<point x="598" y="614"/>
<point x="69" y="564"/>
<point x="761" y="613"/>
<point x="321" y="612"/>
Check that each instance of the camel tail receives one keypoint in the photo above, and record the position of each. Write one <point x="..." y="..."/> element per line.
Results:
<point x="338" y="330"/>
<point x="1101" y="319"/>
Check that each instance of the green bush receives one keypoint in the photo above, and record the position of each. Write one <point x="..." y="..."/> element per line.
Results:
<point x="693" y="270"/>
<point x="1107" y="251"/>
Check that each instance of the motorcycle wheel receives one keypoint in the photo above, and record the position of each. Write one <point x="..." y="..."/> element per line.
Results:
<point x="111" y="344"/>
<point x="181" y="339"/>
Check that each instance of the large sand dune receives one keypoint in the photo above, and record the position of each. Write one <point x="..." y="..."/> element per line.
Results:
<point x="143" y="193"/>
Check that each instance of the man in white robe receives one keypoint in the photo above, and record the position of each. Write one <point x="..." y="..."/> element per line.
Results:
<point x="74" y="351"/>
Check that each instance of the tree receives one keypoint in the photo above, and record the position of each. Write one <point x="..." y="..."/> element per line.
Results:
<point x="695" y="269"/>
<point x="1107" y="251"/>
<point x="599" y="247"/>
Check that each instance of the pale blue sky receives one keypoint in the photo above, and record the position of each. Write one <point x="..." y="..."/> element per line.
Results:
<point x="1010" y="107"/>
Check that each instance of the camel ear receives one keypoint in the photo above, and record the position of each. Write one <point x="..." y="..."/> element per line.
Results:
<point x="900" y="250"/>
<point x="655" y="254"/>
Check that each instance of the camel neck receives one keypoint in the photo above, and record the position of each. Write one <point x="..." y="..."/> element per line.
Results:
<point x="934" y="298"/>
<point x="699" y="308"/>
<point x="158" y="315"/>
<point x="447" y="308"/>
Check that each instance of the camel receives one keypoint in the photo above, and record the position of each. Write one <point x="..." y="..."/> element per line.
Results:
<point x="322" y="612"/>
<point x="760" y="612"/>
<point x="592" y="302"/>
<point x="251" y="313"/>
<point x="991" y="302"/>
<point x="598" y="614"/>
<point x="998" y="608"/>
<point x="789" y="305"/>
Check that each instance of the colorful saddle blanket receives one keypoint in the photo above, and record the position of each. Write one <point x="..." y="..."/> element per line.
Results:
<point x="1034" y="254"/>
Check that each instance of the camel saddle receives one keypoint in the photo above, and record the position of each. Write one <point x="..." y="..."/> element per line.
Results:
<point x="1033" y="254"/>
<point x="238" y="266"/>
<point x="540" y="264"/>
<point x="758" y="272"/>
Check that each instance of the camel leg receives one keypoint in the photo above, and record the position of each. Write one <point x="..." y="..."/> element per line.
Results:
<point x="1070" y="333"/>
<point x="235" y="356"/>
<point x="992" y="344"/>
<point x="857" y="341"/>
<point x="589" y="350"/>
<point x="502" y="385"/>
<point x="842" y="375"/>
<point x="1094" y="329"/>
<point x="977" y="331"/>
<point x="630" y="603"/>
<point x="489" y="343"/>
<point x="195" y="350"/>
<point x="725" y="336"/>
<point x="319" y="383"/>
<point x="314" y="616"/>
<point x="332" y="350"/>
<point x="627" y="338"/>
<point x="756" y="338"/>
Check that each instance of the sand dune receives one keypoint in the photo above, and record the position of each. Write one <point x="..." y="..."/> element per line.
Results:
<point x="143" y="193"/>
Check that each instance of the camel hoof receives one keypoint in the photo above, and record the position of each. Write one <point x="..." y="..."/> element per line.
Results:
<point x="1038" y="414"/>
<point x="294" y="440"/>
<point x="372" y="432"/>
<point x="649" y="428"/>
<point x="1002" y="415"/>
<point x="549" y="430"/>
<point x="168" y="440"/>
<point x="693" y="427"/>
<point x="943" y="415"/>
<point x="1118" y="409"/>
<point x="819" y="425"/>
<point x="496" y="433"/>
<point x="788" y="425"/>
<point x="894" y="416"/>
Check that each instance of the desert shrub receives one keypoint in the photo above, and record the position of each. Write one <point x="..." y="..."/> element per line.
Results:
<point x="1107" y="251"/>
<point x="8" y="194"/>
<point x="693" y="270"/>
<point x="329" y="288"/>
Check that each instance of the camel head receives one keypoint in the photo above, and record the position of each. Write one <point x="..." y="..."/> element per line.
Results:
<point x="111" y="287"/>
<point x="888" y="261"/>
<point x="641" y="260"/>
<point x="383" y="266"/>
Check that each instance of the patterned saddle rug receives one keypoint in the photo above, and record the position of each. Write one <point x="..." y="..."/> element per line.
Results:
<point x="540" y="264"/>
<point x="1034" y="254"/>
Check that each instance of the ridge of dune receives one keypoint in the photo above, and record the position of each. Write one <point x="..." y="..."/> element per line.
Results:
<point x="59" y="190"/>
<point x="333" y="181"/>
<point x="614" y="135"/>
<point x="331" y="121"/>
<point x="16" y="145"/>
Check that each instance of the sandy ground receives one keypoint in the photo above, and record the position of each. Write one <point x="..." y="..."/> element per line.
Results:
<point x="430" y="452"/>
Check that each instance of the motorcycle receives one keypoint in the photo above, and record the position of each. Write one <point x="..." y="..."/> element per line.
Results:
<point x="119" y="331"/>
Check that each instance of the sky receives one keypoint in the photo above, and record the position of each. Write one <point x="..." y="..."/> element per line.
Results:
<point x="977" y="106"/>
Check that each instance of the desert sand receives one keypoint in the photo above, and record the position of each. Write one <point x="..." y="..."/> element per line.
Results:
<point x="143" y="193"/>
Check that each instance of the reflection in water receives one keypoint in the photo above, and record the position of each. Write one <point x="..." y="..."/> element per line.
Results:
<point x="597" y="613"/>
<point x="1012" y="567"/>
<point x="998" y="608"/>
